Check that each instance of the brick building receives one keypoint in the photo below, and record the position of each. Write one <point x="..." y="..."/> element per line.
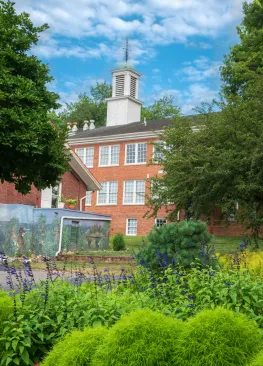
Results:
<point x="74" y="184"/>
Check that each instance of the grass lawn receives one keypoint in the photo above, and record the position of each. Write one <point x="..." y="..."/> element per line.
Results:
<point x="227" y="244"/>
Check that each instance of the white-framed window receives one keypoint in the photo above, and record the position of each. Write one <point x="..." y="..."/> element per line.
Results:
<point x="134" y="192"/>
<point x="109" y="193"/>
<point x="109" y="155"/>
<point x="88" y="198"/>
<point x="131" y="226"/>
<point x="86" y="154"/>
<point x="157" y="151"/>
<point x="136" y="153"/>
<point x="160" y="221"/>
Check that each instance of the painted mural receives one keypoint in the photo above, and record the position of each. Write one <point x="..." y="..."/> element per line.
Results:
<point x="25" y="230"/>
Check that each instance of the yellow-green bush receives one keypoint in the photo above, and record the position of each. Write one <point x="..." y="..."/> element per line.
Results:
<point x="217" y="338"/>
<point x="258" y="361"/>
<point x="76" y="349"/>
<point x="252" y="261"/>
<point x="142" y="338"/>
<point x="6" y="309"/>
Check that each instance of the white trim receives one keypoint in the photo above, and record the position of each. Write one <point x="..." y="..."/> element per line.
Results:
<point x="131" y="218"/>
<point x="115" y="138"/>
<point x="109" y="157"/>
<point x="107" y="194"/>
<point x="85" y="155"/>
<point x="134" y="193"/>
<point x="136" y="153"/>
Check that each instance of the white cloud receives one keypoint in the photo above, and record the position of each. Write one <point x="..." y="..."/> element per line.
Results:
<point x="200" y="69"/>
<point x="151" y="22"/>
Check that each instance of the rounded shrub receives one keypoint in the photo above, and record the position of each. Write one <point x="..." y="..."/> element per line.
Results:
<point x="142" y="338"/>
<point x="76" y="349"/>
<point x="118" y="242"/>
<point x="217" y="338"/>
<point x="258" y="361"/>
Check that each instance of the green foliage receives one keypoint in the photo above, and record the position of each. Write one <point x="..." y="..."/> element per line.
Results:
<point x="258" y="361"/>
<point x="6" y="309"/>
<point x="89" y="107"/>
<point x="162" y="108"/>
<point x="118" y="242"/>
<point x="179" y="243"/>
<point x="142" y="338"/>
<point x="32" y="151"/>
<point x="76" y="349"/>
<point x="217" y="338"/>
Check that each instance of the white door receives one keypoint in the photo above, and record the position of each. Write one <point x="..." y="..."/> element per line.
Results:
<point x="46" y="198"/>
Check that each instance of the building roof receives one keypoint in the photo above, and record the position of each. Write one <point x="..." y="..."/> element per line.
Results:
<point x="149" y="126"/>
<point x="83" y="172"/>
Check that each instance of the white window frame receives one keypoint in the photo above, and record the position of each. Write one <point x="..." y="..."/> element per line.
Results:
<point x="136" y="153"/>
<point x="88" y="199"/>
<point x="160" y="218"/>
<point x="108" y="195"/>
<point x="134" y="193"/>
<point x="85" y="155"/>
<point x="109" y="157"/>
<point x="127" y="226"/>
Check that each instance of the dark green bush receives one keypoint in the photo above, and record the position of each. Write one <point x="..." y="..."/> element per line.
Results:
<point x="176" y="243"/>
<point x="118" y="242"/>
<point x="76" y="349"/>
<point x="258" y="361"/>
<point x="217" y="338"/>
<point x="142" y="338"/>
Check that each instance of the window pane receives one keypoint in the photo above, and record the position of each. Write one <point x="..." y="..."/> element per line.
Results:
<point x="89" y="157"/>
<point x="158" y="153"/>
<point x="113" y="192"/>
<point x="140" y="191"/>
<point x="115" y="153"/>
<point x="128" y="191"/>
<point x="132" y="226"/>
<point x="102" y="194"/>
<point x="142" y="153"/>
<point x="160" y="222"/>
<point x="88" y="198"/>
<point x="104" y="155"/>
<point x="80" y="153"/>
<point x="130" y="157"/>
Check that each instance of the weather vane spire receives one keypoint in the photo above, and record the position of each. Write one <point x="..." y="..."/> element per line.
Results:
<point x="127" y="50"/>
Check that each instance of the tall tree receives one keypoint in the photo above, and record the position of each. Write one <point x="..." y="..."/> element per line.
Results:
<point x="161" y="108"/>
<point x="89" y="107"/>
<point x="31" y="150"/>
<point x="217" y="160"/>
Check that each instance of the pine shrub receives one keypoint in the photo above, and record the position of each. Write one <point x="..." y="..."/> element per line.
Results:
<point x="176" y="243"/>
<point x="76" y="349"/>
<point x="217" y="338"/>
<point x="118" y="242"/>
<point x="142" y="338"/>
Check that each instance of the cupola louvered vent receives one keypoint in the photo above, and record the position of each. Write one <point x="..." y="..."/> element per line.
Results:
<point x="119" y="85"/>
<point x="133" y="87"/>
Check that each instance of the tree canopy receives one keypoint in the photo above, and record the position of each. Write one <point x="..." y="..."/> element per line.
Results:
<point x="31" y="150"/>
<point x="217" y="162"/>
<point x="161" y="108"/>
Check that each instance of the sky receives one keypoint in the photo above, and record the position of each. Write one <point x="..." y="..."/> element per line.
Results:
<point x="177" y="45"/>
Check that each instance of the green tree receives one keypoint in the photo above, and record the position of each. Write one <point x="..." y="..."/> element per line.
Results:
<point x="31" y="150"/>
<point x="217" y="162"/>
<point x="161" y="108"/>
<point x="89" y="107"/>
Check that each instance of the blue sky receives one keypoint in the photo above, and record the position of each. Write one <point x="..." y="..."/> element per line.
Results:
<point x="177" y="45"/>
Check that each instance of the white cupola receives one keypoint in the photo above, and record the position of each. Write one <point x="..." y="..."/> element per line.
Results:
<point x="124" y="106"/>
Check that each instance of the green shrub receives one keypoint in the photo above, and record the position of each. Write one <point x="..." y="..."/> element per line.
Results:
<point x="258" y="361"/>
<point x="142" y="338"/>
<point x="6" y="309"/>
<point x="218" y="338"/>
<point x="76" y="349"/>
<point x="179" y="243"/>
<point x="118" y="242"/>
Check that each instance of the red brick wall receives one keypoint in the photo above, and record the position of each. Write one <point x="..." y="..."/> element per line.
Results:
<point x="121" y="212"/>
<point x="122" y="173"/>
<point x="8" y="194"/>
<point x="73" y="187"/>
